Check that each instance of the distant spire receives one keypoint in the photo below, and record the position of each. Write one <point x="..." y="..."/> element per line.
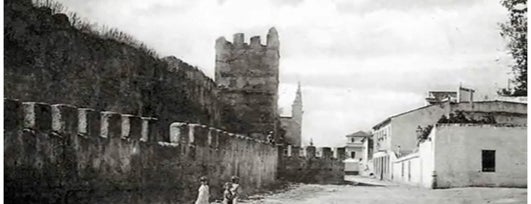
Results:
<point x="298" y="96"/>
<point x="296" y="107"/>
<point x="311" y="141"/>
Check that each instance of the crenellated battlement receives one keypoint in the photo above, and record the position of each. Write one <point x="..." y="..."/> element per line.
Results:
<point x="238" y="41"/>
<point x="248" y="78"/>
<point x="83" y="122"/>
<point x="88" y="123"/>
<point x="61" y="143"/>
<point x="90" y="150"/>
<point x="201" y="135"/>
<point x="305" y="165"/>
<point x="338" y="153"/>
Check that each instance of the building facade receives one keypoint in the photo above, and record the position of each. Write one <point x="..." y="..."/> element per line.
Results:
<point x="397" y="135"/>
<point x="482" y="155"/>
<point x="356" y="145"/>
<point x="357" y="153"/>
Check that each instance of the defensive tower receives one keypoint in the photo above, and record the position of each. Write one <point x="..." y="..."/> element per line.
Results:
<point x="247" y="75"/>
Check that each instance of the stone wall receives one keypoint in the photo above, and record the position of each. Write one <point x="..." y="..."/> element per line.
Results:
<point x="248" y="77"/>
<point x="291" y="131"/>
<point x="60" y="153"/>
<point x="47" y="59"/>
<point x="309" y="168"/>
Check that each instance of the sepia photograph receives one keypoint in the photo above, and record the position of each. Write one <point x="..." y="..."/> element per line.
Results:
<point x="265" y="101"/>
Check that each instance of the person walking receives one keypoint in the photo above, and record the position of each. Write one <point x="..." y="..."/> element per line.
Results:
<point x="235" y="189"/>
<point x="227" y="195"/>
<point x="203" y="195"/>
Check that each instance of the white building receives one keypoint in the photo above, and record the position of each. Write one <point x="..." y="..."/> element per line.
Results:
<point x="358" y="152"/>
<point x="396" y="136"/>
<point x="460" y="155"/>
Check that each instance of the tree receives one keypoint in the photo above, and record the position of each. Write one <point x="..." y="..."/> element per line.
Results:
<point x="515" y="32"/>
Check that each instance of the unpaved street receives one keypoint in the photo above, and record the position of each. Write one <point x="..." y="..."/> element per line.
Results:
<point x="391" y="194"/>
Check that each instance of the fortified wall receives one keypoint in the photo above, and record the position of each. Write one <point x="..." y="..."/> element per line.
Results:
<point x="247" y="75"/>
<point x="60" y="153"/>
<point x="48" y="59"/>
<point x="303" y="165"/>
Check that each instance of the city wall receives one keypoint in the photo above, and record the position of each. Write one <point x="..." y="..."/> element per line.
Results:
<point x="60" y="153"/>
<point x="48" y="59"/>
<point x="303" y="165"/>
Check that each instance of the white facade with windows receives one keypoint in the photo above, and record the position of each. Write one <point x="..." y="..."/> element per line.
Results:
<point x="396" y="136"/>
<point x="357" y="152"/>
<point x="382" y="138"/>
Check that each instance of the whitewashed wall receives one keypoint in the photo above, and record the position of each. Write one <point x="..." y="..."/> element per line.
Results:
<point x="454" y="153"/>
<point x="458" y="149"/>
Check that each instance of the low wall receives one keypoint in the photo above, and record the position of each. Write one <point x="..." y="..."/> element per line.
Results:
<point x="309" y="168"/>
<point x="367" y="168"/>
<point x="352" y="167"/>
<point x="60" y="153"/>
<point x="408" y="170"/>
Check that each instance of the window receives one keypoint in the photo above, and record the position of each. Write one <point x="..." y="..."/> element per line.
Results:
<point x="352" y="155"/>
<point x="488" y="160"/>
<point x="352" y="140"/>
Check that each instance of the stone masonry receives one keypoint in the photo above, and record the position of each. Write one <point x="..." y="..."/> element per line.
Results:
<point x="303" y="165"/>
<point x="247" y="75"/>
<point x="64" y="154"/>
<point x="105" y="152"/>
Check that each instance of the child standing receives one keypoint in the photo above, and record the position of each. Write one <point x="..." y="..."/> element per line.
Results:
<point x="227" y="195"/>
<point x="235" y="189"/>
<point x="203" y="196"/>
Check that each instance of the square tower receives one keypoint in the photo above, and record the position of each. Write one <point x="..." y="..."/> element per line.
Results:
<point x="247" y="76"/>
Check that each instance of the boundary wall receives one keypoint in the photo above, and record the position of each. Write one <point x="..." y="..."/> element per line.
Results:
<point x="60" y="153"/>
<point x="302" y="165"/>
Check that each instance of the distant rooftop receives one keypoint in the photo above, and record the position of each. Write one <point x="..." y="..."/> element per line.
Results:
<point x="359" y="134"/>
<point x="387" y="120"/>
<point x="440" y="96"/>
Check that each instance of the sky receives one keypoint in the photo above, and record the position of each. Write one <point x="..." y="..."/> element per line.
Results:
<point x="359" y="62"/>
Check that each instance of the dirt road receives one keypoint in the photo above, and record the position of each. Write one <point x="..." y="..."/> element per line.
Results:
<point x="307" y="193"/>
